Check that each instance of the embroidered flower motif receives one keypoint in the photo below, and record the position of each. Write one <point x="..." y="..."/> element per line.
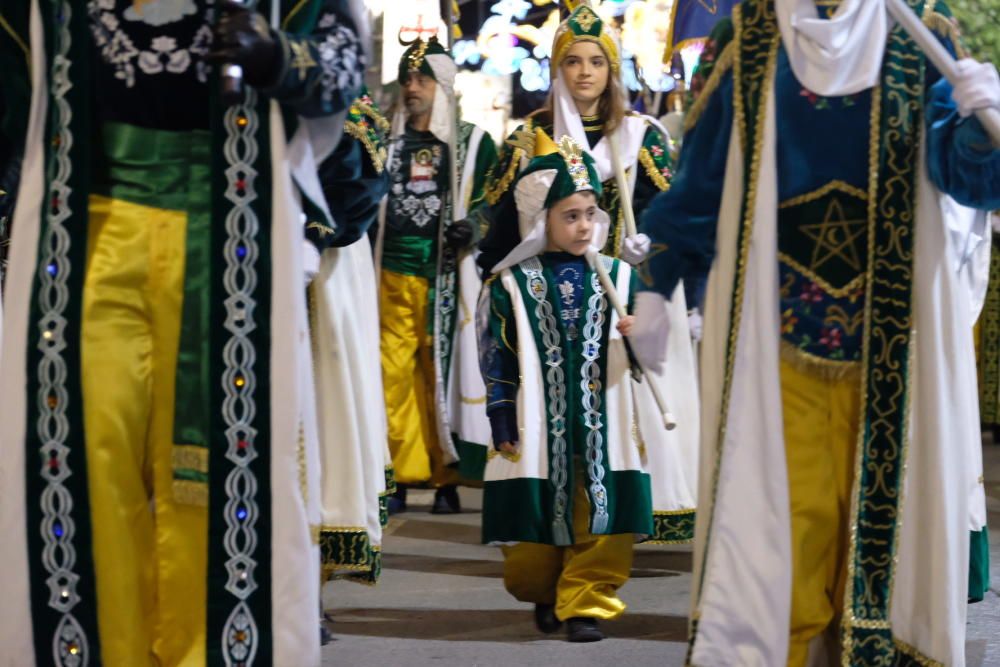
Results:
<point x="657" y="151"/>
<point x="788" y="321"/>
<point x="809" y="95"/>
<point x="164" y="50"/>
<point x="811" y="293"/>
<point x="164" y="54"/>
<point x="341" y="61"/>
<point x="832" y="337"/>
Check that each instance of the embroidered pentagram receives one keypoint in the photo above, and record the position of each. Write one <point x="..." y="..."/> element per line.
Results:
<point x="836" y="237"/>
<point x="302" y="60"/>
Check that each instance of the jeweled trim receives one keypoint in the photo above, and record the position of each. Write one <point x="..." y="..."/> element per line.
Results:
<point x="555" y="378"/>
<point x="241" y="635"/>
<point x="70" y="644"/>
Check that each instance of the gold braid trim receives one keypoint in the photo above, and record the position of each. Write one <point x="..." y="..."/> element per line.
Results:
<point x="915" y="655"/>
<point x="655" y="175"/>
<point x="187" y="492"/>
<point x="836" y="292"/>
<point x="722" y="65"/>
<point x="497" y="191"/>
<point x="842" y="186"/>
<point x="295" y="10"/>
<point x="359" y="133"/>
<point x="301" y="451"/>
<point x="17" y="40"/>
<point x="380" y="121"/>
<point x="827" y="369"/>
<point x="190" y="457"/>
<point x="947" y="28"/>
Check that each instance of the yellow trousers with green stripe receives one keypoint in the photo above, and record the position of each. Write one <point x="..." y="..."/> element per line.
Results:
<point x="408" y="379"/>
<point x="580" y="580"/>
<point x="821" y="427"/>
<point x="150" y="552"/>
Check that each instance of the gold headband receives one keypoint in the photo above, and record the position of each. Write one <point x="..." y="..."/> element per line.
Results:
<point x="567" y="36"/>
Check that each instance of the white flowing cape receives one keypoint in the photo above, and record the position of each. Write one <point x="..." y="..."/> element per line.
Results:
<point x="352" y="422"/>
<point x="741" y="597"/>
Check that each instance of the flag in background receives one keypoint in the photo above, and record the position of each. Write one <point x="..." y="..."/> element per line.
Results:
<point x="692" y="20"/>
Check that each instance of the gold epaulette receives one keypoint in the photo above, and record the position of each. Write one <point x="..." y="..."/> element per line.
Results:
<point x="654" y="173"/>
<point x="516" y="141"/>
<point x="366" y="124"/>
<point x="946" y="27"/>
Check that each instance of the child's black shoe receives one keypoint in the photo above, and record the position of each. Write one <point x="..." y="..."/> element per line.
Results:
<point x="545" y="618"/>
<point x="579" y="629"/>
<point x="397" y="501"/>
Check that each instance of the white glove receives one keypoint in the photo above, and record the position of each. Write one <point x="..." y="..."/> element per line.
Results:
<point x="650" y="331"/>
<point x="310" y="261"/>
<point x="977" y="87"/>
<point x="635" y="248"/>
<point x="695" y="324"/>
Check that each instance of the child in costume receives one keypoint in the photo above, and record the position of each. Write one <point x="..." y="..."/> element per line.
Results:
<point x="567" y="484"/>
<point x="588" y="105"/>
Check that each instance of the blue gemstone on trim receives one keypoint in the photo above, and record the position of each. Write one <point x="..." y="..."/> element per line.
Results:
<point x="52" y="268"/>
<point x="241" y="513"/>
<point x="241" y="251"/>
<point x="57" y="529"/>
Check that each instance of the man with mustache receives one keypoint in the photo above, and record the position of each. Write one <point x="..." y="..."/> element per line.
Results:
<point x="429" y="283"/>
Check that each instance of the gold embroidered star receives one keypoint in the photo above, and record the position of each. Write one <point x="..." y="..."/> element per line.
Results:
<point x="835" y="237"/>
<point x="302" y="60"/>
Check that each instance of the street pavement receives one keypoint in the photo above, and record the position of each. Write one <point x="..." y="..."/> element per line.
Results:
<point x="440" y="602"/>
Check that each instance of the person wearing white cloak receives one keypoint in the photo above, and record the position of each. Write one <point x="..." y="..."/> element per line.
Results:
<point x="838" y="377"/>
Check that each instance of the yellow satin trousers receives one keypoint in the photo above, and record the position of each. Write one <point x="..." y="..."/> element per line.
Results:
<point x="150" y="553"/>
<point x="408" y="378"/>
<point x="580" y="580"/>
<point x="821" y="427"/>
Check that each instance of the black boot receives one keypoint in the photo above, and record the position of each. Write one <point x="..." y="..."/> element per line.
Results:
<point x="397" y="501"/>
<point x="545" y="618"/>
<point x="579" y="629"/>
<point x="325" y="636"/>
<point x="446" y="501"/>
